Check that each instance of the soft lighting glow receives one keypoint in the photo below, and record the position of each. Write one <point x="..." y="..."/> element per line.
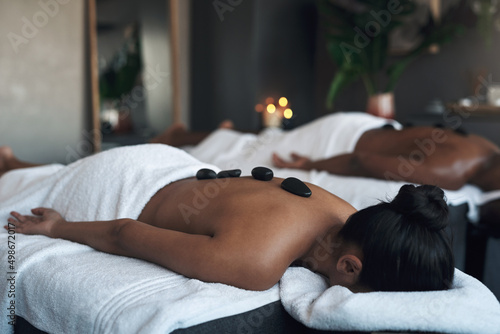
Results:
<point x="288" y="113"/>
<point x="269" y="100"/>
<point x="283" y="102"/>
<point x="271" y="108"/>
<point x="259" y="107"/>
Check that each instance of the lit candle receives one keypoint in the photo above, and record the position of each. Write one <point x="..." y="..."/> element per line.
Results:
<point x="272" y="117"/>
<point x="283" y="102"/>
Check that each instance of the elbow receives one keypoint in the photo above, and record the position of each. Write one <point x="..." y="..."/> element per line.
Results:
<point x="120" y="226"/>
<point x="118" y="235"/>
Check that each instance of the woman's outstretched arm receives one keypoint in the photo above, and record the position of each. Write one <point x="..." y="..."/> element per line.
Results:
<point x="208" y="258"/>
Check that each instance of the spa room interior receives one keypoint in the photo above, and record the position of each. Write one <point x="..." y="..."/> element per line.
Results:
<point x="82" y="77"/>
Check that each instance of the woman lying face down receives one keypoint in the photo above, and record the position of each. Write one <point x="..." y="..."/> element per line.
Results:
<point x="396" y="246"/>
<point x="245" y="232"/>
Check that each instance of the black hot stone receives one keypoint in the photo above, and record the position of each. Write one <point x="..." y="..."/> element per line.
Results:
<point x="262" y="173"/>
<point x="229" y="173"/>
<point x="296" y="187"/>
<point x="206" y="174"/>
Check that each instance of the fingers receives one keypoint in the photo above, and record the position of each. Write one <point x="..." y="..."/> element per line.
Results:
<point x="296" y="156"/>
<point x="19" y="222"/>
<point x="14" y="223"/>
<point x="17" y="215"/>
<point x="39" y="211"/>
<point x="277" y="161"/>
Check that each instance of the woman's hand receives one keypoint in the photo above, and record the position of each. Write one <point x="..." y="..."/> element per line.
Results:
<point x="298" y="161"/>
<point x="42" y="223"/>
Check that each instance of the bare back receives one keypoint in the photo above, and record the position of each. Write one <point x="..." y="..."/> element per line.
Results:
<point x="258" y="219"/>
<point x="394" y="142"/>
<point x="211" y="207"/>
<point x="439" y="153"/>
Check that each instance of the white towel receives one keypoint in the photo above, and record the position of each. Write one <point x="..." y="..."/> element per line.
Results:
<point x="66" y="287"/>
<point x="469" y="307"/>
<point x="327" y="136"/>
<point x="114" y="184"/>
<point x="489" y="197"/>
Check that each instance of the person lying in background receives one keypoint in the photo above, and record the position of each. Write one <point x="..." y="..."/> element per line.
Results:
<point x="248" y="232"/>
<point x="383" y="149"/>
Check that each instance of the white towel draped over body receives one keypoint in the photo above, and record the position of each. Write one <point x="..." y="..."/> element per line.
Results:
<point x="110" y="185"/>
<point x="66" y="287"/>
<point x="327" y="136"/>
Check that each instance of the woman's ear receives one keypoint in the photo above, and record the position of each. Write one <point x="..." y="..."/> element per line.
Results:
<point x="349" y="267"/>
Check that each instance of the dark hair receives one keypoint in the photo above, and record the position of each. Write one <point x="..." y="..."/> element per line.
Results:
<point x="404" y="244"/>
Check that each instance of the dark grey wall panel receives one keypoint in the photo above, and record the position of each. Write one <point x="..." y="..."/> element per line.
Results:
<point x="259" y="49"/>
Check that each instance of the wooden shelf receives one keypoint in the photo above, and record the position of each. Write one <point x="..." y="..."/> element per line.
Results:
<point x="479" y="110"/>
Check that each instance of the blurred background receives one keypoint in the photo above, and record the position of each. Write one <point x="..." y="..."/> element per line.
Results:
<point x="201" y="61"/>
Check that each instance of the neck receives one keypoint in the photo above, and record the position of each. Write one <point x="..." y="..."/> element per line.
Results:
<point x="322" y="255"/>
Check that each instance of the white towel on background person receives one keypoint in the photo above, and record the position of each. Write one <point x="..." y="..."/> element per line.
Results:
<point x="329" y="135"/>
<point x="65" y="287"/>
<point x="468" y="307"/>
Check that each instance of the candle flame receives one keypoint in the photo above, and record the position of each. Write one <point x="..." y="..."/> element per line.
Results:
<point x="283" y="101"/>
<point x="271" y="108"/>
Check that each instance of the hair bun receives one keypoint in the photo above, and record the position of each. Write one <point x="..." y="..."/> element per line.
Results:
<point x="424" y="205"/>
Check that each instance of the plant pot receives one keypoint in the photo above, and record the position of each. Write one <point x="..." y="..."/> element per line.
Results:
<point x="381" y="105"/>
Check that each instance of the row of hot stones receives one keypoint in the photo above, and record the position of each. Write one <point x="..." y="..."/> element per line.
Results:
<point x="290" y="184"/>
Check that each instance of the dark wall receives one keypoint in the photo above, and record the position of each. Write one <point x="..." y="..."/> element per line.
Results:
<point x="222" y="65"/>
<point x="447" y="75"/>
<point x="276" y="48"/>
<point x="256" y="50"/>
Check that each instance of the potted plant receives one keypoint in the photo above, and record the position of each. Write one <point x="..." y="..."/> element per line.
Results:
<point x="358" y="34"/>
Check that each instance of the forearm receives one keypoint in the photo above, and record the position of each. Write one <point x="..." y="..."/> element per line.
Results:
<point x="360" y="164"/>
<point x="344" y="164"/>
<point x="100" y="235"/>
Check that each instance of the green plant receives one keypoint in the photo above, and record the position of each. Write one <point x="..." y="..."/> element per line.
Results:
<point x="358" y="40"/>
<point x="120" y="76"/>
